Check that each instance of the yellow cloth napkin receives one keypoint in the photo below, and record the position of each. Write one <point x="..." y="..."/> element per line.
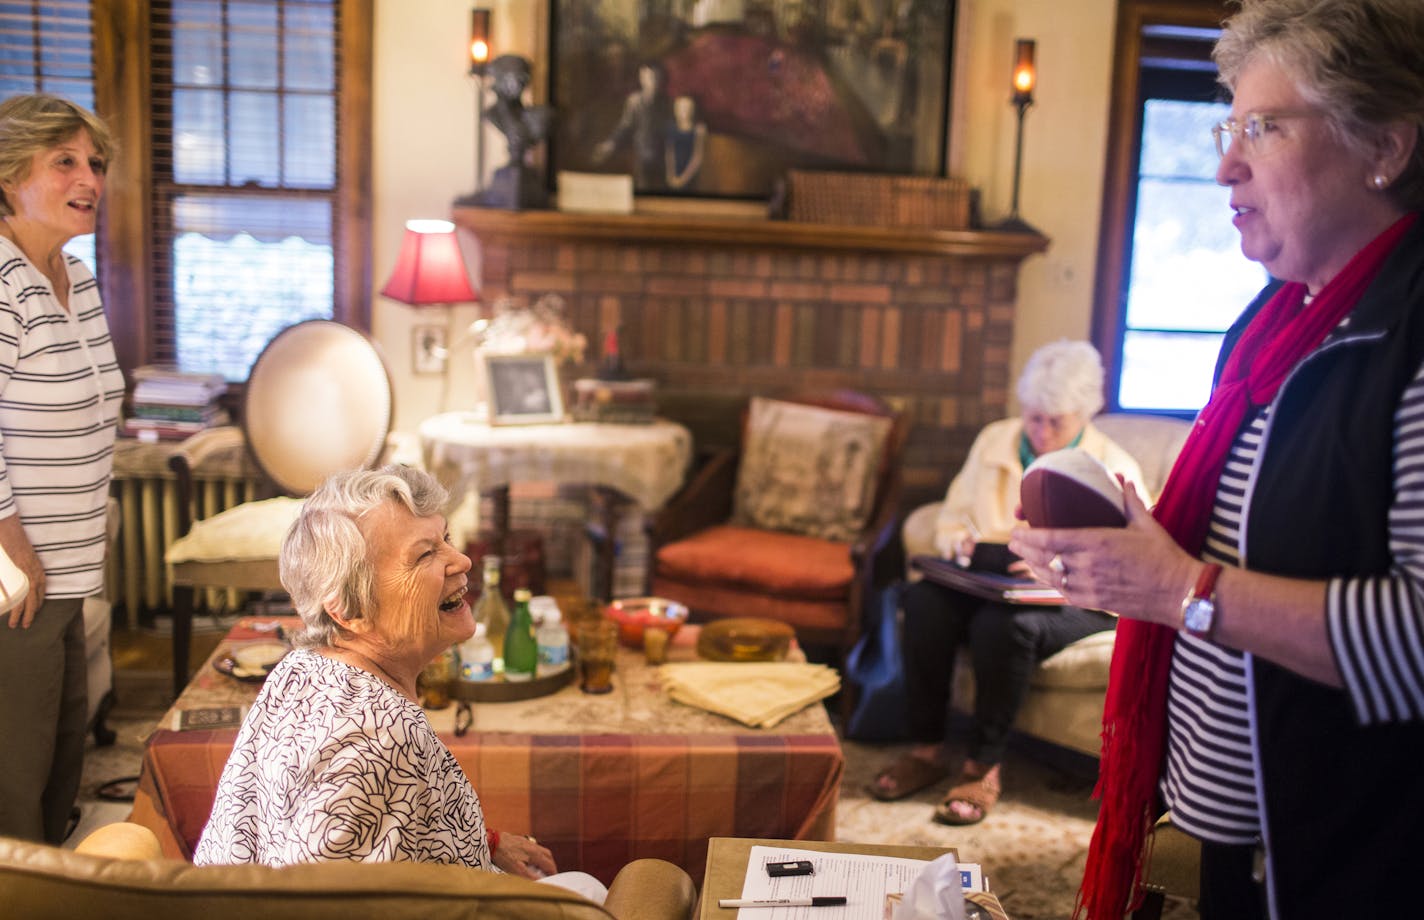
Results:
<point x="755" y="693"/>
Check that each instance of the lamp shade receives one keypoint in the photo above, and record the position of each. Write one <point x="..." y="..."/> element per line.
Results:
<point x="430" y="268"/>
<point x="1025" y="74"/>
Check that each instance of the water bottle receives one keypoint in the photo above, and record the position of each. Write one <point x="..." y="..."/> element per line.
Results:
<point x="477" y="657"/>
<point x="521" y="651"/>
<point x="553" y="642"/>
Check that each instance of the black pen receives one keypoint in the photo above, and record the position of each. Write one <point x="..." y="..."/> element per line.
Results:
<point x="828" y="901"/>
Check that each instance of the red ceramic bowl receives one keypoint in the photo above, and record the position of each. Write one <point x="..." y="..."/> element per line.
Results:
<point x="634" y="614"/>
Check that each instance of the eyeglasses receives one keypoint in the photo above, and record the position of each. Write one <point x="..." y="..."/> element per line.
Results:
<point x="1258" y="133"/>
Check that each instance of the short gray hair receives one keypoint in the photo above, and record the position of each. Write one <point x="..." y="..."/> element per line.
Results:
<point x="1359" y="61"/>
<point x="325" y="558"/>
<point x="1063" y="377"/>
<point x="33" y="122"/>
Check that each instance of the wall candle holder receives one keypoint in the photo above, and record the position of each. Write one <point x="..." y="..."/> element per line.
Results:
<point x="479" y="65"/>
<point x="1025" y="79"/>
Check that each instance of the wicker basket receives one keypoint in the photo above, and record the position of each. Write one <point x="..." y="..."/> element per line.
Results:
<point x="878" y="200"/>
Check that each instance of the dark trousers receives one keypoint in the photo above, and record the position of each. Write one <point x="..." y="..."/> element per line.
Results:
<point x="1228" y="892"/>
<point x="43" y="708"/>
<point x="1005" y="643"/>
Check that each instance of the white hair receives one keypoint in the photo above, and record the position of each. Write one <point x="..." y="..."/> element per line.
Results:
<point x="1063" y="377"/>
<point x="324" y="556"/>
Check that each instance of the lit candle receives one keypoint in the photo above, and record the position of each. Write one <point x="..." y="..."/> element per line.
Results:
<point x="479" y="40"/>
<point x="1025" y="76"/>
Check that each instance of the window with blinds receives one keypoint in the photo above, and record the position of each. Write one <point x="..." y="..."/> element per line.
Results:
<point x="245" y="175"/>
<point x="48" y="47"/>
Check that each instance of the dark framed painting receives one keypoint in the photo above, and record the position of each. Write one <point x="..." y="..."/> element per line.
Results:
<point x="523" y="389"/>
<point x="721" y="97"/>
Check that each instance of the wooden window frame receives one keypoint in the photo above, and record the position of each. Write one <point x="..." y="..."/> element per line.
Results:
<point x="123" y="80"/>
<point x="1120" y="171"/>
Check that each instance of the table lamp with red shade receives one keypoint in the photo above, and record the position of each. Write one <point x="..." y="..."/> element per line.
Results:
<point x="430" y="271"/>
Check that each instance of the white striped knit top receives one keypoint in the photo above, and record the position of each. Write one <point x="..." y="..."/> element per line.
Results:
<point x="1376" y="631"/>
<point x="60" y="391"/>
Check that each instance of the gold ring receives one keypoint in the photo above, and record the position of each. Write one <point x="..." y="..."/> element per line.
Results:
<point x="533" y="839"/>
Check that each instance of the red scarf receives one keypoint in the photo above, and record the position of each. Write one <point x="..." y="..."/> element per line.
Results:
<point x="1135" y="712"/>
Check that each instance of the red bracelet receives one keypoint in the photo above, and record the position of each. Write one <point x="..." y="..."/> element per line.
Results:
<point x="493" y="836"/>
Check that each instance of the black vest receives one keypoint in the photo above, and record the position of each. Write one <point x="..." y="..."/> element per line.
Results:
<point x="1344" y="804"/>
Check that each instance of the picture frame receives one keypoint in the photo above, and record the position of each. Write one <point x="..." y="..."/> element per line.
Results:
<point x="428" y="349"/>
<point x="523" y="389"/>
<point x="696" y="100"/>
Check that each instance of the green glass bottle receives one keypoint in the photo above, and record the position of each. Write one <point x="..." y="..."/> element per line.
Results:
<point x="521" y="649"/>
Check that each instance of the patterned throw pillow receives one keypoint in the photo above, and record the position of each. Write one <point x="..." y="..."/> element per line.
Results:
<point x="808" y="470"/>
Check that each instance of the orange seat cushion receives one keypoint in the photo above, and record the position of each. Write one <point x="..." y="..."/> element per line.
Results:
<point x="760" y="561"/>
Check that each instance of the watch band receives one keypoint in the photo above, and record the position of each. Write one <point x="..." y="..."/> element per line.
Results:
<point x="1206" y="581"/>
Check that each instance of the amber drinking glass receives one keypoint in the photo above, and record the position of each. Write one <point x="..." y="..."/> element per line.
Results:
<point x="597" y="645"/>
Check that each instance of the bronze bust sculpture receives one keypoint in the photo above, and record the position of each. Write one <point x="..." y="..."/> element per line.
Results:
<point x="515" y="185"/>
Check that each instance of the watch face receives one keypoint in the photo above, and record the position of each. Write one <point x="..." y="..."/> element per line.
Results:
<point x="1197" y="615"/>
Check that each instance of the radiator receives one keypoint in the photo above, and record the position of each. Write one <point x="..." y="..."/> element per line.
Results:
<point x="147" y="496"/>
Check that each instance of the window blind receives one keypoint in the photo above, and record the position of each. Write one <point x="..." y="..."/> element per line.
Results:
<point x="245" y="175"/>
<point x="49" y="47"/>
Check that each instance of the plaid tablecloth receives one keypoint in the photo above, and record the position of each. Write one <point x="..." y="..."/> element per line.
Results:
<point x="600" y="780"/>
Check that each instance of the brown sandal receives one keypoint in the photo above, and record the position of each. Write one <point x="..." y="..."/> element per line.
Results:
<point x="981" y="792"/>
<point x="905" y="777"/>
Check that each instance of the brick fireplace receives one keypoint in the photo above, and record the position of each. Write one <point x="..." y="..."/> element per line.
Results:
<point x="720" y="308"/>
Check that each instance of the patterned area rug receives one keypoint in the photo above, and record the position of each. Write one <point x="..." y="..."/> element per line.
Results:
<point x="1032" y="846"/>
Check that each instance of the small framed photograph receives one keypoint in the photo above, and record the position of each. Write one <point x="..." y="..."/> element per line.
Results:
<point x="523" y="389"/>
<point x="428" y="351"/>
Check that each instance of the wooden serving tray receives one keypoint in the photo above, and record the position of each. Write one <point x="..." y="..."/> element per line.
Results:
<point x="503" y="691"/>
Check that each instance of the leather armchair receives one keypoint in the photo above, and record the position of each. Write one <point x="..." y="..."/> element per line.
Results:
<point x="817" y="586"/>
<point x="118" y="873"/>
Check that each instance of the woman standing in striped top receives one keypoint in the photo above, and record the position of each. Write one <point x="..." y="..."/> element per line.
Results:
<point x="1269" y="686"/>
<point x="60" y="389"/>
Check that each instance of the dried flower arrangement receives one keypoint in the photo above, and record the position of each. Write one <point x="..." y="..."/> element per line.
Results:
<point x="518" y="328"/>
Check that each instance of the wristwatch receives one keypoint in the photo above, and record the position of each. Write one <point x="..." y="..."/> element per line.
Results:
<point x="1199" y="606"/>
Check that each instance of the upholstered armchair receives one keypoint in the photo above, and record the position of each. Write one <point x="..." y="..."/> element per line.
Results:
<point x="118" y="873"/>
<point x="789" y="525"/>
<point x="1065" y="699"/>
<point x="318" y="401"/>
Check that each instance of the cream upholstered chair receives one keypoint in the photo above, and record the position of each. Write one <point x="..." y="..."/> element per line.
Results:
<point x="318" y="401"/>
<point x="118" y="873"/>
<point x="1065" y="700"/>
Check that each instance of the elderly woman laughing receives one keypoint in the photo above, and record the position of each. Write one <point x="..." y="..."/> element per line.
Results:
<point x="336" y="760"/>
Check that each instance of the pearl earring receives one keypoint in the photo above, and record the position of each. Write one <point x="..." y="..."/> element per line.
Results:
<point x="1381" y="181"/>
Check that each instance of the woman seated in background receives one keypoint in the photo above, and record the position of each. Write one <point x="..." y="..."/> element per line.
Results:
<point x="1060" y="389"/>
<point x="335" y="760"/>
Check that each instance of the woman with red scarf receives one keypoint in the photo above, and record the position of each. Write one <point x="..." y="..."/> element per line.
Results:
<point x="1268" y="679"/>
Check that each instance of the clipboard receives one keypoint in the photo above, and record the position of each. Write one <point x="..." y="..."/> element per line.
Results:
<point x="990" y="586"/>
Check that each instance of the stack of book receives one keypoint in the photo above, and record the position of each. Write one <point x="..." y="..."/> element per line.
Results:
<point x="622" y="401"/>
<point x="170" y="405"/>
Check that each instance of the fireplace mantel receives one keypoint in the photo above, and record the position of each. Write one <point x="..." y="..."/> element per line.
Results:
<point x="723" y="230"/>
<point x="719" y="305"/>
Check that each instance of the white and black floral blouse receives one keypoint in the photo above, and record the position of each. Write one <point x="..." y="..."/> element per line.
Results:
<point x="332" y="763"/>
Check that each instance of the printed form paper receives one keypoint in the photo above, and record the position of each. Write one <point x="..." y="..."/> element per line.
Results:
<point x="864" y="881"/>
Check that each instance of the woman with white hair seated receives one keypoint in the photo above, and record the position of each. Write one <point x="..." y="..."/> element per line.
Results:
<point x="335" y="760"/>
<point x="1061" y="388"/>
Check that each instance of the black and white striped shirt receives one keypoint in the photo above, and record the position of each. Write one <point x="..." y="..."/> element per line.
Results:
<point x="1376" y="630"/>
<point x="60" y="390"/>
